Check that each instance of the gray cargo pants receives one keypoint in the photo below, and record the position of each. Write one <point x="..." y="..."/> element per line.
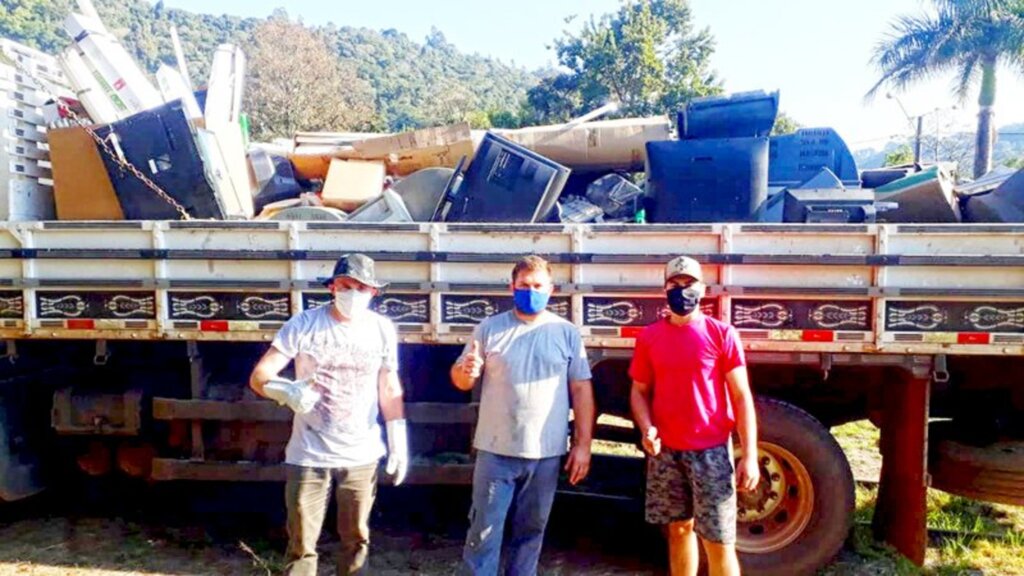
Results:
<point x="306" y="495"/>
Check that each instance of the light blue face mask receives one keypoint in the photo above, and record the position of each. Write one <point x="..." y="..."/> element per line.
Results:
<point x="530" y="301"/>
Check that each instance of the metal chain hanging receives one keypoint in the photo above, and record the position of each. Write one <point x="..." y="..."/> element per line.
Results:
<point x="103" y="144"/>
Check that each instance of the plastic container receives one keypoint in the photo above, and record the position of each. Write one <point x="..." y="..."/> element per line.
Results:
<point x="579" y="211"/>
<point x="796" y="158"/>
<point x="616" y="196"/>
<point x="740" y="115"/>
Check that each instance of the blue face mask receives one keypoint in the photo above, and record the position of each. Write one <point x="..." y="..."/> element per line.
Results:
<point x="529" y="301"/>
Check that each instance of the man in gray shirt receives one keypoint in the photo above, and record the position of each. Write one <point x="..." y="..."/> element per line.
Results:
<point x="346" y="360"/>
<point x="531" y="362"/>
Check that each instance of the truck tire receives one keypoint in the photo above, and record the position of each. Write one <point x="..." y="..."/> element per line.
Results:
<point x="991" y="473"/>
<point x="802" y="510"/>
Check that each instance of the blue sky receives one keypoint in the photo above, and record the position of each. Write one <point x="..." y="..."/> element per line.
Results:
<point x="815" y="51"/>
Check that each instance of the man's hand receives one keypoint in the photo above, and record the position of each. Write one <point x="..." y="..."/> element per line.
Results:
<point x="651" y="442"/>
<point x="578" y="463"/>
<point x="296" y="394"/>
<point x="472" y="363"/>
<point x="748" y="473"/>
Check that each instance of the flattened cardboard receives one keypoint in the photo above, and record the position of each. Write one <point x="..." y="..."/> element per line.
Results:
<point x="603" y="145"/>
<point x="411" y="151"/>
<point x="81" y="186"/>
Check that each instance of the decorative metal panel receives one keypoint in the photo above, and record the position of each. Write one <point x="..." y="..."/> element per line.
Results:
<point x="96" y="305"/>
<point x="473" y="309"/>
<point x="802" y="314"/>
<point x="402" y="308"/>
<point x="904" y="316"/>
<point x="263" y="306"/>
<point x="12" y="304"/>
<point x="630" y="311"/>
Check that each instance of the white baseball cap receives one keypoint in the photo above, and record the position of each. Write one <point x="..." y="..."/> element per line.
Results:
<point x="683" y="266"/>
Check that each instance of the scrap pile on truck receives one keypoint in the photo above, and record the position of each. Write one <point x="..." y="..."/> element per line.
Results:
<point x="149" y="253"/>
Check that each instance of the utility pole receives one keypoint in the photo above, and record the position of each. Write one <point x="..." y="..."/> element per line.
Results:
<point x="917" y="140"/>
<point x="910" y="119"/>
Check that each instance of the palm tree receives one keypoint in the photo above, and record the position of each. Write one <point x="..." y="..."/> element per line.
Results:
<point x="968" y="37"/>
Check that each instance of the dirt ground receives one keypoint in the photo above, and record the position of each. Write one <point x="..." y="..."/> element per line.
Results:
<point x="223" y="531"/>
<point x="114" y="529"/>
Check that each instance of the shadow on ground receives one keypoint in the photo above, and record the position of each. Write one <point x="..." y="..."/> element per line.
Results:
<point x="88" y="528"/>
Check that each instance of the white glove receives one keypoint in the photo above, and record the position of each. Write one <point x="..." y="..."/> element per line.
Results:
<point x="398" y="450"/>
<point x="296" y="394"/>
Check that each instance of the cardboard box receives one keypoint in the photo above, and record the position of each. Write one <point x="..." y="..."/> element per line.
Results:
<point x="603" y="145"/>
<point x="352" y="183"/>
<point x="408" y="152"/>
<point x="81" y="186"/>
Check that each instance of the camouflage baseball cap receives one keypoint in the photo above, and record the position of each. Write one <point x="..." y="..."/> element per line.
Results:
<point x="358" y="267"/>
<point x="683" y="266"/>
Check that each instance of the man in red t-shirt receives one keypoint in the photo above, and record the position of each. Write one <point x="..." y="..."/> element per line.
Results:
<point x="690" y="390"/>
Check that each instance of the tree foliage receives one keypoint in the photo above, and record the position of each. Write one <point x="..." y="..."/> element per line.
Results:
<point x="784" y="124"/>
<point x="323" y="93"/>
<point x="900" y="157"/>
<point x="412" y="84"/>
<point x="970" y="38"/>
<point x="647" y="56"/>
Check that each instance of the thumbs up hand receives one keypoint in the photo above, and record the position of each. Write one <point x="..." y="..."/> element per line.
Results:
<point x="473" y="362"/>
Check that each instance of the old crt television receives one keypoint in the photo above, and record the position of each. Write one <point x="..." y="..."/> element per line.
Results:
<point x="507" y="183"/>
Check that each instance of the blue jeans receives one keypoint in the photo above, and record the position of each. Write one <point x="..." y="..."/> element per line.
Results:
<point x="500" y="483"/>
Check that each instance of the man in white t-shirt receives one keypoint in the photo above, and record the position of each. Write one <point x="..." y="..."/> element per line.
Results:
<point x="346" y="367"/>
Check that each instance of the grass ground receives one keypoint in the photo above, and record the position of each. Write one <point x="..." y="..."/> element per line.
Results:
<point x="993" y="543"/>
<point x="586" y="537"/>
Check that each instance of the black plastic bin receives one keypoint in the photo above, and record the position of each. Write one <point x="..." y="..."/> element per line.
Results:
<point x="740" y="115"/>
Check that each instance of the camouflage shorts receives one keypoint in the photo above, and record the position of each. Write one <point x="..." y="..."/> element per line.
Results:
<point x="698" y="484"/>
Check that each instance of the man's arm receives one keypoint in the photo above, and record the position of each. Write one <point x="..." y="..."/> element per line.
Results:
<point x="748" y="473"/>
<point x="390" y="392"/>
<point x="578" y="463"/>
<point x="640" y="405"/>
<point x="269" y="366"/>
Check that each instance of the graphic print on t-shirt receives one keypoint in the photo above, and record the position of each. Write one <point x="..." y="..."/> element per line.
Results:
<point x="344" y="373"/>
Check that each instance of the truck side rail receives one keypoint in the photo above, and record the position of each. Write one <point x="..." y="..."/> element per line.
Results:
<point x="892" y="288"/>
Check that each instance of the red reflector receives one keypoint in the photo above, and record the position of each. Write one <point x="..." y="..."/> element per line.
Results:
<point x="214" y="325"/>
<point x="818" y="336"/>
<point x="972" y="338"/>
<point x="80" y="324"/>
<point x="631" y="331"/>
